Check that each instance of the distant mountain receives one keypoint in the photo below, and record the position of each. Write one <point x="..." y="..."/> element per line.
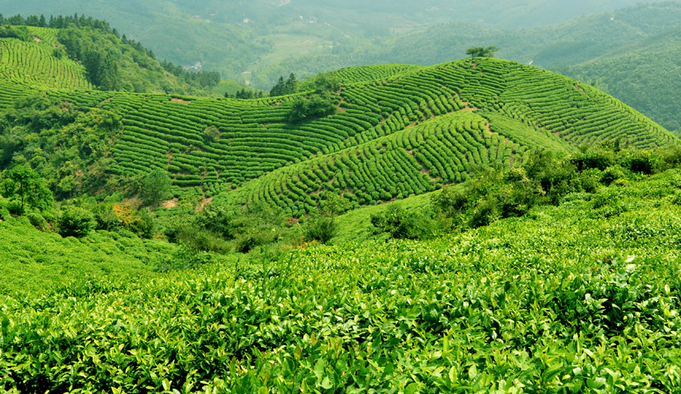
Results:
<point x="234" y="37"/>
<point x="644" y="73"/>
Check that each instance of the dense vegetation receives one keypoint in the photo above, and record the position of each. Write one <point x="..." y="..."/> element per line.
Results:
<point x="208" y="146"/>
<point x="253" y="36"/>
<point x="582" y="297"/>
<point x="637" y="43"/>
<point x="631" y="53"/>
<point x="76" y="52"/>
<point x="474" y="226"/>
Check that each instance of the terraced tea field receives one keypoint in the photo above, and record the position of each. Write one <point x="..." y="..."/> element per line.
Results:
<point x="398" y="130"/>
<point x="515" y="108"/>
<point x="33" y="64"/>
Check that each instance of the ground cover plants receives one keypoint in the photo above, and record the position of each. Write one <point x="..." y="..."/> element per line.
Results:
<point x="582" y="297"/>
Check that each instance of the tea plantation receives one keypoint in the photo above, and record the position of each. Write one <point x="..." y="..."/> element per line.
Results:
<point x="583" y="297"/>
<point x="477" y="226"/>
<point x="209" y="146"/>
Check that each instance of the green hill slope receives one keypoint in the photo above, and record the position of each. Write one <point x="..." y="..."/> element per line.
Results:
<point x="33" y="63"/>
<point x="416" y="122"/>
<point x="234" y="37"/>
<point x="644" y="74"/>
<point x="565" y="298"/>
<point x="85" y="57"/>
<point x="631" y="52"/>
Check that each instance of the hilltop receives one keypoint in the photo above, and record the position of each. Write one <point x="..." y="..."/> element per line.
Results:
<point x="252" y="36"/>
<point x="630" y="53"/>
<point x="643" y="73"/>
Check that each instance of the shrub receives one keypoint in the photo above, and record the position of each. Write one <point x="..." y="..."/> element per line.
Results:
<point x="611" y="174"/>
<point x="106" y="217"/>
<point x="320" y="229"/>
<point x="4" y="214"/>
<point x="219" y="220"/>
<point x="402" y="224"/>
<point x="450" y="202"/>
<point x="38" y="221"/>
<point x="643" y="162"/>
<point x="485" y="213"/>
<point x="155" y="188"/>
<point x="75" y="222"/>
<point x="254" y="237"/>
<point x="211" y="133"/>
<point x="309" y="108"/>
<point x="14" y="207"/>
<point x="598" y="158"/>
<point x="184" y="258"/>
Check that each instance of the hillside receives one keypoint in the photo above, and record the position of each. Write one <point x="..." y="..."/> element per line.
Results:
<point x="644" y="74"/>
<point x="89" y="56"/>
<point x="235" y="37"/>
<point x="581" y="297"/>
<point x="429" y="125"/>
<point x="473" y="226"/>
<point x="638" y="44"/>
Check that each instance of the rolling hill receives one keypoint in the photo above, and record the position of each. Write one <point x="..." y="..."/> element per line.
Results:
<point x="87" y="56"/>
<point x="643" y="73"/>
<point x="631" y="52"/>
<point x="234" y="37"/>
<point x="552" y="265"/>
<point x="429" y="125"/>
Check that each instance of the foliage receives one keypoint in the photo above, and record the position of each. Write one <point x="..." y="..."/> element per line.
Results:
<point x="20" y="33"/>
<point x="184" y="258"/>
<point x="74" y="221"/>
<point x="404" y="224"/>
<point x="482" y="51"/>
<point x="66" y="145"/>
<point x="155" y="188"/>
<point x="245" y="94"/>
<point x="24" y="185"/>
<point x="38" y="221"/>
<point x="299" y="154"/>
<point x="320" y="228"/>
<point x="571" y="298"/>
<point x="283" y="88"/>
<point x="212" y="133"/>
<point x="543" y="179"/>
<point x="196" y="238"/>
<point x="314" y="106"/>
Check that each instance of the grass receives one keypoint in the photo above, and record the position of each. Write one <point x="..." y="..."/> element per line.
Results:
<point x="356" y="224"/>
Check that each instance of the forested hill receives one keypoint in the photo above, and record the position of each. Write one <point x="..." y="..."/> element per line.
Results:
<point x="76" y="52"/>
<point x="234" y="37"/>
<point x="644" y="73"/>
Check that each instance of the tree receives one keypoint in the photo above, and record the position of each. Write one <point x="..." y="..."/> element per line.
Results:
<point x="284" y="87"/>
<point x="25" y="185"/>
<point x="312" y="107"/>
<point x="482" y="51"/>
<point x="155" y="188"/>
